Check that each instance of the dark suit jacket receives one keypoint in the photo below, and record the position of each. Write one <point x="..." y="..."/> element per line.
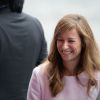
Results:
<point x="22" y="47"/>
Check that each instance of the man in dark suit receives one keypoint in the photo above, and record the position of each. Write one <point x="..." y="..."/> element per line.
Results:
<point x="22" y="47"/>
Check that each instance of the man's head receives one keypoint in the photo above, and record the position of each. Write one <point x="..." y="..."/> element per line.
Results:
<point x="14" y="5"/>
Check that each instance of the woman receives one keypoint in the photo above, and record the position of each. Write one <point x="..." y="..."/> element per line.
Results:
<point x="72" y="71"/>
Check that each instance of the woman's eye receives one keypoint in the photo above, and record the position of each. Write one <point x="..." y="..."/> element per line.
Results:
<point x="59" y="40"/>
<point x="71" y="41"/>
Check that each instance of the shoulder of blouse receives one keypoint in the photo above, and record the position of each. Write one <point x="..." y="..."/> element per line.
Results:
<point x="41" y="70"/>
<point x="97" y="75"/>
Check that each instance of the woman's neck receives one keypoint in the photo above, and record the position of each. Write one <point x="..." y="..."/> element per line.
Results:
<point x="69" y="67"/>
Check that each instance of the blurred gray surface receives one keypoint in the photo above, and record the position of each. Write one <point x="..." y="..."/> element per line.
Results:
<point x="50" y="11"/>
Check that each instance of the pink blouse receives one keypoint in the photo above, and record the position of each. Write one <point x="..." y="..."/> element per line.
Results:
<point x="39" y="89"/>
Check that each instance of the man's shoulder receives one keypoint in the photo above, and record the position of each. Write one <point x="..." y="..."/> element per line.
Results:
<point x="33" y="18"/>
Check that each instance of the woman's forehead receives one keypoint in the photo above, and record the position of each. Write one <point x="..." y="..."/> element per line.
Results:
<point x="72" y="33"/>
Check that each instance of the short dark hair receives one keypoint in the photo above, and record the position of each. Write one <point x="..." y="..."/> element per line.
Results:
<point x="14" y="5"/>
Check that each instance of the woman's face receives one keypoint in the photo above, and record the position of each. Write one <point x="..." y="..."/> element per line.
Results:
<point x="69" y="45"/>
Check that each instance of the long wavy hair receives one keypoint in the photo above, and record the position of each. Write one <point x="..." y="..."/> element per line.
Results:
<point x="90" y="55"/>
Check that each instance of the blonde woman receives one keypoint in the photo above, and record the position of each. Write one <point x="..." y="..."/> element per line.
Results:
<point x="72" y="71"/>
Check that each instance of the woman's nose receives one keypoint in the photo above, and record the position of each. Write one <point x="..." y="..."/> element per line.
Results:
<point x="65" y="45"/>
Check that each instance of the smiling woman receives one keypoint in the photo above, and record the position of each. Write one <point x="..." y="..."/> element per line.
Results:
<point x="69" y="47"/>
<point x="72" y="69"/>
